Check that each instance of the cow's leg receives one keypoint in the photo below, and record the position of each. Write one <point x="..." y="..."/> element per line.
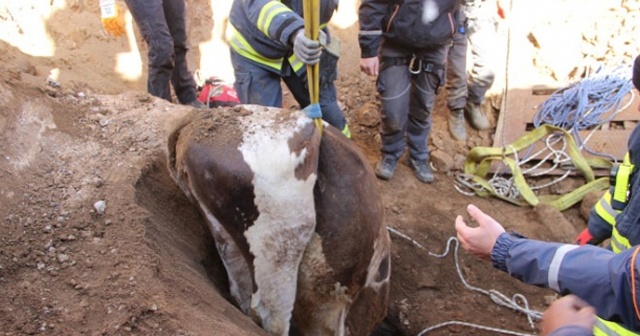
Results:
<point x="370" y="306"/>
<point x="277" y="241"/>
<point x="238" y="272"/>
<point x="322" y="303"/>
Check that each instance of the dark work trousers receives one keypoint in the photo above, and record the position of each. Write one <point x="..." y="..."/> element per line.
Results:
<point x="407" y="98"/>
<point x="163" y="27"/>
<point x="257" y="85"/>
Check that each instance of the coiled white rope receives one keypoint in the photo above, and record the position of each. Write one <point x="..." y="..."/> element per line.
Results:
<point x="588" y="103"/>
<point x="518" y="302"/>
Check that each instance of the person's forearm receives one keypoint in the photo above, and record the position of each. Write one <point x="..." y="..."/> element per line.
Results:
<point x="596" y="275"/>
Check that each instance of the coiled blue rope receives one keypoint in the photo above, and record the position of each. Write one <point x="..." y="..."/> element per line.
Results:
<point x="587" y="104"/>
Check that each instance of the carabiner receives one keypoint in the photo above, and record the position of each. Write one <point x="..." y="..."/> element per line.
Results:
<point x="412" y="68"/>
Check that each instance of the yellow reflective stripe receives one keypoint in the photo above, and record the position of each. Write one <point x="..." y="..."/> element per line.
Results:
<point x="622" y="179"/>
<point x="295" y="63"/>
<point x="608" y="328"/>
<point x="346" y="131"/>
<point x="242" y="47"/>
<point x="619" y="243"/>
<point x="268" y="12"/>
<point x="604" y="209"/>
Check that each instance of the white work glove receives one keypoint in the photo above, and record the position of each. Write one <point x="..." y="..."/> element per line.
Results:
<point x="308" y="51"/>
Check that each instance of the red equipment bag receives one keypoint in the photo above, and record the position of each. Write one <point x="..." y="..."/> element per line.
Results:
<point x="216" y="93"/>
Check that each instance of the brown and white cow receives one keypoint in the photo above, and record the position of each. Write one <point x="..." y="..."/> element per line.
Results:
<point x="296" y="216"/>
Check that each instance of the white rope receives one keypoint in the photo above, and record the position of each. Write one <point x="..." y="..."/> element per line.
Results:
<point x="518" y="302"/>
<point x="557" y="159"/>
<point x="472" y="325"/>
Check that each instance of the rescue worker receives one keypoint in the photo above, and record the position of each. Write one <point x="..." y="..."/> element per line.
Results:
<point x="605" y="280"/>
<point x="163" y="27"/>
<point x="466" y="90"/>
<point x="615" y="216"/>
<point x="268" y="44"/>
<point x="408" y="74"/>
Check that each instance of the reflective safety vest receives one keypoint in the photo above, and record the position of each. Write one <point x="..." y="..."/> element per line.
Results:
<point x="618" y="201"/>
<point x="614" y="200"/>
<point x="240" y="45"/>
<point x="604" y="209"/>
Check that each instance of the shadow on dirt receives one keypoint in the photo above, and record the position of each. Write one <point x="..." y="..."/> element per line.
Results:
<point x="175" y="229"/>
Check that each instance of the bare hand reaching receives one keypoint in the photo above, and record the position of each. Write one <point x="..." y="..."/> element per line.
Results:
<point x="479" y="240"/>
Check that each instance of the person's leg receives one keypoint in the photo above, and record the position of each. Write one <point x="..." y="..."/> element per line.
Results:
<point x="481" y="36"/>
<point x="423" y="96"/>
<point x="394" y="87"/>
<point x="149" y="16"/>
<point x="182" y="80"/>
<point x="456" y="85"/>
<point x="254" y="84"/>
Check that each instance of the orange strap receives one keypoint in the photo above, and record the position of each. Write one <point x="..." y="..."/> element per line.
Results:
<point x="633" y="281"/>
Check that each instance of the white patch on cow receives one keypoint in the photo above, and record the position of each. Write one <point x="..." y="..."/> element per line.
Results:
<point x="286" y="218"/>
<point x="381" y="251"/>
<point x="330" y="305"/>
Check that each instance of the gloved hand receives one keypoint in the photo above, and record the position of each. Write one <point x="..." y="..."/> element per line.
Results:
<point x="585" y="238"/>
<point x="308" y="51"/>
<point x="112" y="18"/>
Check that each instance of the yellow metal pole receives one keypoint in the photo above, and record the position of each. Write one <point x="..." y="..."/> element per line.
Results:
<point x="311" y="13"/>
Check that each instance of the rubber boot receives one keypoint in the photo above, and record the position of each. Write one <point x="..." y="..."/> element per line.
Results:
<point x="457" y="126"/>
<point x="477" y="119"/>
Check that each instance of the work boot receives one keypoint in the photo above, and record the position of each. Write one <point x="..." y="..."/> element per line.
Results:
<point x="386" y="166"/>
<point x="456" y="124"/>
<point x="477" y="119"/>
<point x="196" y="104"/>
<point x="421" y="169"/>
